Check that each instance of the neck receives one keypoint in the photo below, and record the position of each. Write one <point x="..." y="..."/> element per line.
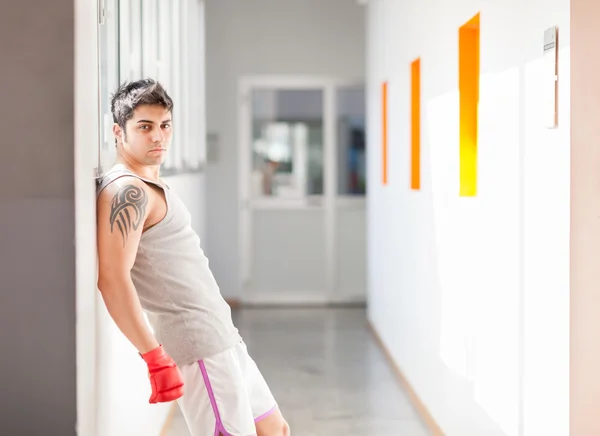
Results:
<point x="145" y="171"/>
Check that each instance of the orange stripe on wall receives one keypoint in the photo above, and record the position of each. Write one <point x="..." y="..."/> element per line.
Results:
<point x="415" y="111"/>
<point x="384" y="131"/>
<point x="468" y="85"/>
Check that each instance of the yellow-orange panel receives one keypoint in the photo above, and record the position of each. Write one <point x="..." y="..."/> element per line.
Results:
<point x="384" y="132"/>
<point x="415" y="106"/>
<point x="468" y="85"/>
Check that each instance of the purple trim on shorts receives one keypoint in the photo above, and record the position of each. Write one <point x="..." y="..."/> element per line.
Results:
<point x="265" y="415"/>
<point x="219" y="425"/>
<point x="219" y="428"/>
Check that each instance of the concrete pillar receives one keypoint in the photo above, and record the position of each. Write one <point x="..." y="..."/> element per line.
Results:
<point x="37" y="219"/>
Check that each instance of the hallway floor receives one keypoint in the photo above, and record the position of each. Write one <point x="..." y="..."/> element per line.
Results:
<point x="326" y="372"/>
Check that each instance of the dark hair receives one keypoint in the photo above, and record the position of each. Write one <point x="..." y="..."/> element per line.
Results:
<point x="130" y="95"/>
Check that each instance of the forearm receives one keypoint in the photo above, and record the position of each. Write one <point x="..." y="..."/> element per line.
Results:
<point x="124" y="307"/>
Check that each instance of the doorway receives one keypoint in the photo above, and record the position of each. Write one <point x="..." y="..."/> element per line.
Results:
<point x="302" y="190"/>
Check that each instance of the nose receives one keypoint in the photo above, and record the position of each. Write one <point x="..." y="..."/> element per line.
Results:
<point x="158" y="136"/>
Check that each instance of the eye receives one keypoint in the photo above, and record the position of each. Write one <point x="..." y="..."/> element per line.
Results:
<point x="144" y="127"/>
<point x="166" y="126"/>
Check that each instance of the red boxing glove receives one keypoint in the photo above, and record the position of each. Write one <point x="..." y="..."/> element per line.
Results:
<point x="165" y="377"/>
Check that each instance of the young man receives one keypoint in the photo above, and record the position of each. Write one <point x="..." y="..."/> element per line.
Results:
<point x="150" y="260"/>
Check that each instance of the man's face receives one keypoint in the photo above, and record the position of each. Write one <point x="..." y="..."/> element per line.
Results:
<point x="148" y="135"/>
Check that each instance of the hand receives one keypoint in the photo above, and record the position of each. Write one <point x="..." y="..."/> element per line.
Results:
<point x="165" y="377"/>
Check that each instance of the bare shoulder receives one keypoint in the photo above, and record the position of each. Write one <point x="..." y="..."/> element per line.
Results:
<point x="126" y="189"/>
<point x="123" y="206"/>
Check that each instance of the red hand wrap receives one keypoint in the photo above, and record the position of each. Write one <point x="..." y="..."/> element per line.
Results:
<point x="165" y="377"/>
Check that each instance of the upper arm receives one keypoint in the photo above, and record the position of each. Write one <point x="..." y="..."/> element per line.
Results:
<point x="122" y="210"/>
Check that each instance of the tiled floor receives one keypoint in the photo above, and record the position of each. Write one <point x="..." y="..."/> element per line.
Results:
<point x="326" y="372"/>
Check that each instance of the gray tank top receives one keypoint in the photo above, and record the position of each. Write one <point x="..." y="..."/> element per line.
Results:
<point x="175" y="286"/>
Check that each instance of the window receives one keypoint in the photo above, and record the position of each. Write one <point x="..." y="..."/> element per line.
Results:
<point x="164" y="40"/>
<point x="287" y="142"/>
<point x="351" y="138"/>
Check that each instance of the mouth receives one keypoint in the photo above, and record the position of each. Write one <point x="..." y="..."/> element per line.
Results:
<point x="158" y="150"/>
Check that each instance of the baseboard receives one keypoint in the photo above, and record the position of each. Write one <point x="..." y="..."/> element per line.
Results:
<point x="421" y="409"/>
<point x="169" y="420"/>
<point x="297" y="306"/>
<point x="273" y="303"/>
<point x="308" y="298"/>
<point x="234" y="303"/>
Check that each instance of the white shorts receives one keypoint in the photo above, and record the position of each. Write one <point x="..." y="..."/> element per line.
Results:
<point x="225" y="394"/>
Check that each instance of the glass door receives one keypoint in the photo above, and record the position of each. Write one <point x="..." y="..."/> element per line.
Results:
<point x="302" y="191"/>
<point x="285" y="255"/>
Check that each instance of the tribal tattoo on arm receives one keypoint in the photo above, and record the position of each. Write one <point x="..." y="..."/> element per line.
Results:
<point x="127" y="210"/>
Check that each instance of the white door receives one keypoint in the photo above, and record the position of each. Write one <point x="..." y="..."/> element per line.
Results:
<point x="297" y="222"/>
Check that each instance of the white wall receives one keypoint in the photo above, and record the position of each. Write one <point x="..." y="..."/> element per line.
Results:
<point x="459" y="286"/>
<point x="123" y="388"/>
<point x="85" y="158"/>
<point x="263" y="37"/>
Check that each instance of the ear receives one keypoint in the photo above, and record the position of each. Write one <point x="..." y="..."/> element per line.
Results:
<point x="118" y="132"/>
